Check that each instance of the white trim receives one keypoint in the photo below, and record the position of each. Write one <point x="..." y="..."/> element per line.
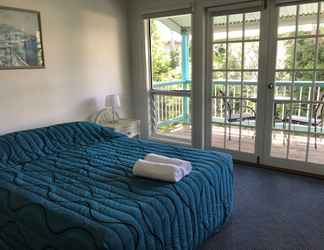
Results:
<point x="169" y="139"/>
<point x="198" y="75"/>
<point x="293" y="2"/>
<point x="312" y="168"/>
<point x="269" y="77"/>
<point x="209" y="80"/>
<point x="234" y="9"/>
<point x="167" y="13"/>
<point x="240" y="3"/>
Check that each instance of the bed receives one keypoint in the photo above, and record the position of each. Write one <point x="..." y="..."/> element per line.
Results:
<point x="70" y="186"/>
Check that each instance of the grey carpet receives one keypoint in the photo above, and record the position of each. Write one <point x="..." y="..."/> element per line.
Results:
<point x="273" y="210"/>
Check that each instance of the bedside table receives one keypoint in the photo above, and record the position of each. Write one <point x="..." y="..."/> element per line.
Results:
<point x="129" y="127"/>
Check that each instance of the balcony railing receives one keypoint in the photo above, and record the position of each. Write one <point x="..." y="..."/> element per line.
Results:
<point x="171" y="110"/>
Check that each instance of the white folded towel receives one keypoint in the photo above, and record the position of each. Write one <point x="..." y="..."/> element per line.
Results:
<point x="158" y="171"/>
<point x="186" y="165"/>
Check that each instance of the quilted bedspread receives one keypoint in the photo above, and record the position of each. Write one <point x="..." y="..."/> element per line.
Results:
<point x="71" y="186"/>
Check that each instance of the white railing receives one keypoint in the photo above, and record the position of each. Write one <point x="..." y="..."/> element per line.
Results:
<point x="170" y="109"/>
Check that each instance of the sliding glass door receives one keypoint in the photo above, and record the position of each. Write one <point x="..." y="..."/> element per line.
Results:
<point x="297" y="88"/>
<point x="234" y="78"/>
<point x="265" y="87"/>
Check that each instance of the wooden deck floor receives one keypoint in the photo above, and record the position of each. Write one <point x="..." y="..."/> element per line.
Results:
<point x="293" y="148"/>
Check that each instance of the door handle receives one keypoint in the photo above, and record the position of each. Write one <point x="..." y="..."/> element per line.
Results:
<point x="270" y="85"/>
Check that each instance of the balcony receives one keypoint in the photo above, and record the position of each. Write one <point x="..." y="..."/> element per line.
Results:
<point x="297" y="118"/>
<point x="172" y="118"/>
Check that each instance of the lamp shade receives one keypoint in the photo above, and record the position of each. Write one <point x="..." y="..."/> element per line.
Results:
<point x="113" y="101"/>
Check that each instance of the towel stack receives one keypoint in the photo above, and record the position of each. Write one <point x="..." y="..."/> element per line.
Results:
<point x="163" y="168"/>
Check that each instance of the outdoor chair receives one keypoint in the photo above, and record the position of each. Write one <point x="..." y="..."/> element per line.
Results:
<point x="231" y="116"/>
<point x="316" y="119"/>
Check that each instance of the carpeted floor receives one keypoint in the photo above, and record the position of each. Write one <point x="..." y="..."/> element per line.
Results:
<point x="273" y="210"/>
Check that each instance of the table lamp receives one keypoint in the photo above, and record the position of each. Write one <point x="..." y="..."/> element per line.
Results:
<point x="113" y="101"/>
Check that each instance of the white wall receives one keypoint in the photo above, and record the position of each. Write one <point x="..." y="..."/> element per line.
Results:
<point x="86" y="56"/>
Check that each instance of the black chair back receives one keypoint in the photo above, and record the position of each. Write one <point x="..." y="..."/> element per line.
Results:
<point x="319" y="108"/>
<point x="226" y="102"/>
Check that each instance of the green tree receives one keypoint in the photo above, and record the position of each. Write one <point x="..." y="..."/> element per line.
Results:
<point x="165" y="61"/>
<point x="305" y="55"/>
<point x="305" y="59"/>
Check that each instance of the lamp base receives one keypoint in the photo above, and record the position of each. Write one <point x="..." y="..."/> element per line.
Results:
<point x="115" y="117"/>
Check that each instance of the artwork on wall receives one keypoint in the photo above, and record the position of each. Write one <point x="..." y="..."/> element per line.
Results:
<point x="21" y="44"/>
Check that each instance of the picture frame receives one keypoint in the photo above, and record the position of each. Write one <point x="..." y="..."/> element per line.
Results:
<point x="21" y="40"/>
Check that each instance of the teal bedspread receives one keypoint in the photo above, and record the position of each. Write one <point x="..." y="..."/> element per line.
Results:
<point x="71" y="186"/>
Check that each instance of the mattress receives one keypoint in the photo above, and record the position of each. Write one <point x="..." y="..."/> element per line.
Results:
<point x="71" y="186"/>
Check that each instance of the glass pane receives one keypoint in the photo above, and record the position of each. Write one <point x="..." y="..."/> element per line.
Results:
<point x="302" y="89"/>
<point x="305" y="55"/>
<point x="219" y="79"/>
<point x="287" y="21"/>
<point x="235" y="27"/>
<point x="252" y="26"/>
<point x="233" y="111"/>
<point x="234" y="77"/>
<point x="234" y="55"/>
<point x="320" y="63"/>
<point x="219" y="56"/>
<point x="300" y="117"/>
<point x="321" y="30"/>
<point x="232" y="137"/>
<point x="279" y="144"/>
<point x="316" y="147"/>
<point x="297" y="146"/>
<point x="218" y="134"/>
<point x="251" y="77"/>
<point x="248" y="113"/>
<point x="234" y="90"/>
<point x="220" y="24"/>
<point x="285" y="54"/>
<point x="249" y="91"/>
<point x="251" y="55"/>
<point x="283" y="84"/>
<point x="307" y="19"/>
<point x="250" y="84"/>
<point x="281" y="115"/>
<point x="171" y="52"/>
<point x="171" y="116"/>
<point x="319" y="87"/>
<point x="218" y="109"/>
<point x="248" y="140"/>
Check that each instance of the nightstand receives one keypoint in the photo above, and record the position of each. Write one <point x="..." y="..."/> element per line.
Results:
<point x="129" y="127"/>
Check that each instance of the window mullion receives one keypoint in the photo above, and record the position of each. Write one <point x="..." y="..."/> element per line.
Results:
<point x="293" y="82"/>
<point x="314" y="80"/>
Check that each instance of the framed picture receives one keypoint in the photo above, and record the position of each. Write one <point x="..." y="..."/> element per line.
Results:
<point x="21" y="45"/>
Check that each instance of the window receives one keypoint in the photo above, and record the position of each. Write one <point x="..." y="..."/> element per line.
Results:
<point x="170" y="90"/>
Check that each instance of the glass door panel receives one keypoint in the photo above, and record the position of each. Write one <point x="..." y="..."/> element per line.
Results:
<point x="297" y="118"/>
<point x="235" y="73"/>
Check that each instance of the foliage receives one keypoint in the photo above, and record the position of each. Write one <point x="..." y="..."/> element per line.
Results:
<point x="305" y="56"/>
<point x="165" y="61"/>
